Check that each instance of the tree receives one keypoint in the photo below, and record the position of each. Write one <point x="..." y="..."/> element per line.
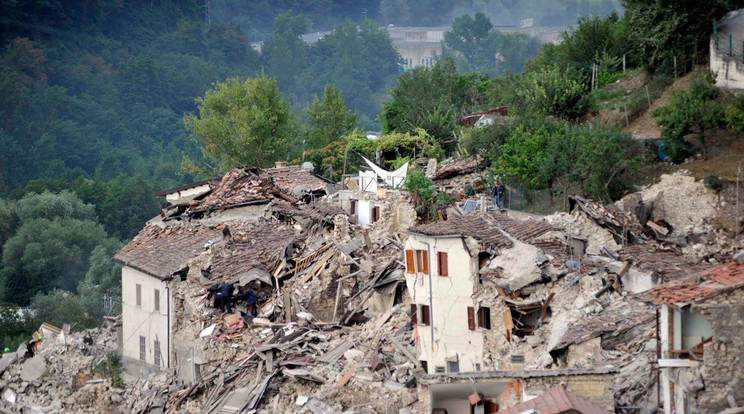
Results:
<point x="51" y="247"/>
<point x="243" y="123"/>
<point x="690" y="112"/>
<point x="328" y="118"/>
<point x="284" y="53"/>
<point x="659" y="31"/>
<point x="432" y="98"/>
<point x="551" y="90"/>
<point x="472" y="37"/>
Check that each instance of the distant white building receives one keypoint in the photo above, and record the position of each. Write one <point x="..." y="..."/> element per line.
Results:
<point x="727" y="52"/>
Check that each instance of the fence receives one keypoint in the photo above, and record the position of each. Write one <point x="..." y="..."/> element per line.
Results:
<point x="530" y="200"/>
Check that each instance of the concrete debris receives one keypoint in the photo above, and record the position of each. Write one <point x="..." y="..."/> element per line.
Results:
<point x="331" y="324"/>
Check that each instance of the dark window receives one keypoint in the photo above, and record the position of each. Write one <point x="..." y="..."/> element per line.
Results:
<point x="156" y="305"/>
<point x="471" y="318"/>
<point x="353" y="207"/>
<point x="484" y="318"/>
<point x="139" y="294"/>
<point x="375" y="214"/>
<point x="453" y="366"/>
<point x="425" y="316"/>
<point x="442" y="267"/>
<point x="157" y="352"/>
<point x="413" y="313"/>
<point x="143" y="347"/>
<point x="439" y="370"/>
<point x="425" y="366"/>
<point x="409" y="262"/>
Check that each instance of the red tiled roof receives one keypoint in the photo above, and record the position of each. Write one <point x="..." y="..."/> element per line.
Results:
<point x="556" y="401"/>
<point x="162" y="251"/>
<point x="709" y="283"/>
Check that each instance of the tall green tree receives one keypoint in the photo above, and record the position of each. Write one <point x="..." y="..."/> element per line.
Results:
<point x="328" y="118"/>
<point x="243" y="123"/>
<point x="552" y="90"/>
<point x="284" y="54"/>
<point x="472" y="37"/>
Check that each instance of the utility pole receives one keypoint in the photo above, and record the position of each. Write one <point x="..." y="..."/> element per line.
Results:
<point x="208" y="12"/>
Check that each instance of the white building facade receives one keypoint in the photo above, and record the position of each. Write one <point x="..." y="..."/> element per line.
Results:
<point x="441" y="277"/>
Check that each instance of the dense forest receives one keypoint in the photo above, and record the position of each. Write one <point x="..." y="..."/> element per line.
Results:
<point x="105" y="102"/>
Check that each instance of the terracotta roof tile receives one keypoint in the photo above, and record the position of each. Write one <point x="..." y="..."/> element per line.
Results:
<point x="556" y="401"/>
<point x="162" y="251"/>
<point x="709" y="282"/>
<point x="492" y="229"/>
<point x="287" y="178"/>
<point x="240" y="186"/>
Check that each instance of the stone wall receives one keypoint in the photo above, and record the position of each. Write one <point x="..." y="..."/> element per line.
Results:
<point x="723" y="361"/>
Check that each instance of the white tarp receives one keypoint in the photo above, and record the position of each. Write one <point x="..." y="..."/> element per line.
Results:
<point x="368" y="181"/>
<point x="393" y="179"/>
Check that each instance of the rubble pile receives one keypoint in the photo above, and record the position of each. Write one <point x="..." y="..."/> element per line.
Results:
<point x="62" y="376"/>
<point x="337" y="319"/>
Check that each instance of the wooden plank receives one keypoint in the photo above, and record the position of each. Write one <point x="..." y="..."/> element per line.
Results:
<point x="347" y="376"/>
<point x="400" y="347"/>
<point x="508" y="323"/>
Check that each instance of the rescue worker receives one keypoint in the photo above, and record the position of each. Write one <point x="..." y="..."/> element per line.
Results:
<point x="6" y="351"/>
<point x="224" y="297"/>
<point x="248" y="296"/>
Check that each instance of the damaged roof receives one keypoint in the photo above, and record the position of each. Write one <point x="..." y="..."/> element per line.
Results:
<point x="212" y="182"/>
<point x="315" y="211"/>
<point x="256" y="244"/>
<point x="459" y="167"/>
<point x="288" y="178"/>
<point x="241" y="186"/>
<point x="162" y="251"/>
<point x="613" y="321"/>
<point x="490" y="229"/>
<point x="705" y="284"/>
<point x="556" y="401"/>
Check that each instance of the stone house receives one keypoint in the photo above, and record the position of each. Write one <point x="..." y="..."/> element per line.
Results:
<point x="701" y="328"/>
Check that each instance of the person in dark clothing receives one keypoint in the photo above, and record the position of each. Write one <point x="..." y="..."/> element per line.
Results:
<point x="223" y="299"/>
<point x="500" y="190"/>
<point x="249" y="297"/>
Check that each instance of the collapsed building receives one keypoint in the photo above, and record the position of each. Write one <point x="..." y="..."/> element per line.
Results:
<point x="700" y="328"/>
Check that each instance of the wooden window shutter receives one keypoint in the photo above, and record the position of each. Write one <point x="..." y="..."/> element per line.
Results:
<point x="424" y="266"/>
<point x="508" y="323"/>
<point x="442" y="267"/>
<point x="376" y="214"/>
<point x="425" y="315"/>
<point x="413" y="314"/>
<point x="471" y="318"/>
<point x="409" y="261"/>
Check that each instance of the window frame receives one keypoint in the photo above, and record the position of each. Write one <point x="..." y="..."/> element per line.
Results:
<point x="425" y="315"/>
<point x="138" y="294"/>
<point x="158" y="357"/>
<point x="156" y="302"/>
<point x="143" y="348"/>
<point x="422" y="259"/>
<point x="484" y="317"/>
<point x="442" y="264"/>
<point x="410" y="269"/>
<point x="471" y="318"/>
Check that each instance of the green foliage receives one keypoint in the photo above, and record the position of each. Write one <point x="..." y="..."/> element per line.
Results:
<point x="659" y="31"/>
<point x="112" y="368"/>
<point x="551" y="90"/>
<point x="16" y="327"/>
<point x="431" y="98"/>
<point x="734" y="116"/>
<point x="550" y="154"/>
<point x="328" y="118"/>
<point x="486" y="50"/>
<point x="329" y="160"/>
<point x="422" y="192"/>
<point x="397" y="143"/>
<point x="713" y="182"/>
<point x="690" y="112"/>
<point x="243" y="123"/>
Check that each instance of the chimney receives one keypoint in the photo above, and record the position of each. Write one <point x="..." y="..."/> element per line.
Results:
<point x="280" y="164"/>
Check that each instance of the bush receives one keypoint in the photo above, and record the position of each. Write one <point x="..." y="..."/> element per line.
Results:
<point x="712" y="182"/>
